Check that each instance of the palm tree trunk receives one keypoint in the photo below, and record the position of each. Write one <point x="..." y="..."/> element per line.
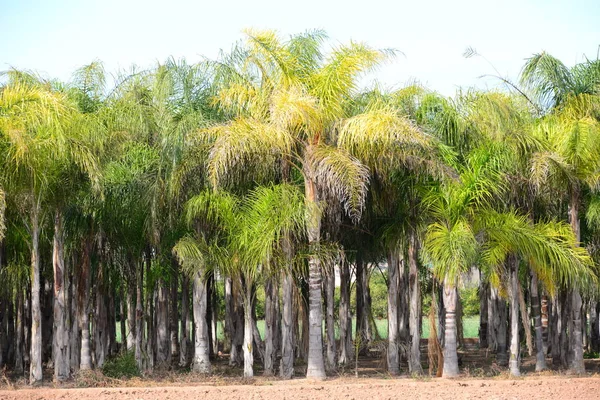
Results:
<point x="238" y="330"/>
<point x="484" y="288"/>
<point x="577" y="366"/>
<point x="20" y="332"/>
<point x="316" y="364"/>
<point x="595" y="326"/>
<point x="330" y="322"/>
<point x="450" y="344"/>
<point x="555" y="331"/>
<point x="525" y="320"/>
<point x="139" y="317"/>
<point x="404" y="304"/>
<point x="286" y="369"/>
<point x="61" y="347"/>
<point x="185" y="329"/>
<point x="392" y="351"/>
<point x="214" y="315"/>
<point x="248" y="333"/>
<point x="113" y="346"/>
<point x="345" y="320"/>
<point x="75" y="334"/>
<point x="540" y="356"/>
<point x="173" y="314"/>
<point x="150" y="300"/>
<point x="122" y="324"/>
<point x="270" y="326"/>
<point x="500" y="327"/>
<point x="202" y="345"/>
<point x="101" y="314"/>
<point x="414" y="355"/>
<point x="35" y="368"/>
<point x="515" y="356"/>
<point x="131" y="287"/>
<point x="228" y="294"/>
<point x="84" y="301"/>
<point x="163" y="350"/>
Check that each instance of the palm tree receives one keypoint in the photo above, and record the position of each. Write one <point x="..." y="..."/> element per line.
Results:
<point x="34" y="123"/>
<point x="467" y="228"/>
<point x="287" y="111"/>
<point x="570" y="156"/>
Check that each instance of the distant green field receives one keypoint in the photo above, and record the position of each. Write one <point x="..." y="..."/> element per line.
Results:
<point x="470" y="327"/>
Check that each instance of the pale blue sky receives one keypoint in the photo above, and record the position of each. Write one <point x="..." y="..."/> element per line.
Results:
<point x="56" y="37"/>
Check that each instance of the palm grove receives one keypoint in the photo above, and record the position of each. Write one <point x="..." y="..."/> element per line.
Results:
<point x="154" y="210"/>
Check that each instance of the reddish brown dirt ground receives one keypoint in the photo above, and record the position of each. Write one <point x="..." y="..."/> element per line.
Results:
<point x="546" y="387"/>
<point x="481" y="379"/>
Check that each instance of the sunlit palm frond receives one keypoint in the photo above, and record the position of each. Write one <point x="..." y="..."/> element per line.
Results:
<point x="451" y="249"/>
<point x="336" y="80"/>
<point x="339" y="175"/>
<point x="245" y="142"/>
<point x="292" y="109"/>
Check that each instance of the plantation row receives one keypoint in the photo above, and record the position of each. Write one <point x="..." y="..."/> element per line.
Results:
<point x="161" y="205"/>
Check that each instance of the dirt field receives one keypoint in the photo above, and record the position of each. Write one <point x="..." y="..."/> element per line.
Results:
<point x="342" y="388"/>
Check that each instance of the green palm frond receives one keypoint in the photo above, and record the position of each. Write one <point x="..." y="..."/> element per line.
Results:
<point x="245" y="142"/>
<point x="451" y="249"/>
<point x="336" y="80"/>
<point x="547" y="78"/>
<point x="215" y="207"/>
<point x="339" y="175"/>
<point x="386" y="140"/>
<point x="269" y="213"/>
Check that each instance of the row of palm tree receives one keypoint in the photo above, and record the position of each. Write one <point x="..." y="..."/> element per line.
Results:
<point x="269" y="169"/>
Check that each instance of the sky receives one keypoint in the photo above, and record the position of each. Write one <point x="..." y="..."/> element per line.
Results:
<point x="55" y="37"/>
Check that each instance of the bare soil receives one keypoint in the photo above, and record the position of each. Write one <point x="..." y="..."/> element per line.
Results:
<point x="549" y="387"/>
<point x="481" y="378"/>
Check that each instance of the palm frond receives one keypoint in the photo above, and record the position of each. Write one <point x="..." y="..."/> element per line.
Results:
<point x="339" y="175"/>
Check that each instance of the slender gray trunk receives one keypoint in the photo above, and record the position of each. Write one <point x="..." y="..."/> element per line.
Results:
<point x="316" y="364"/>
<point x="450" y="345"/>
<point x="139" y="316"/>
<point x="577" y="366"/>
<point x="85" y="362"/>
<point x="35" y="367"/>
<point x="414" y="354"/>
<point x="329" y="321"/>
<point x="101" y="342"/>
<point x="202" y="346"/>
<point x="123" y="325"/>
<point x="540" y="356"/>
<point x="515" y="354"/>
<point x="173" y="314"/>
<point x="61" y="347"/>
<point x="75" y="334"/>
<point x="19" y="341"/>
<point x="131" y="288"/>
<point x="345" y="320"/>
<point x="484" y="288"/>
<point x="286" y="369"/>
<point x="270" y="325"/>
<point x="163" y="350"/>
<point x="555" y="331"/>
<point x="525" y="320"/>
<point x="576" y="343"/>
<point x="248" y="347"/>
<point x="392" y="351"/>
<point x="595" y="325"/>
<point x="499" y="326"/>
<point x="185" y="329"/>
<point x="236" y="356"/>
<point x="229" y="310"/>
